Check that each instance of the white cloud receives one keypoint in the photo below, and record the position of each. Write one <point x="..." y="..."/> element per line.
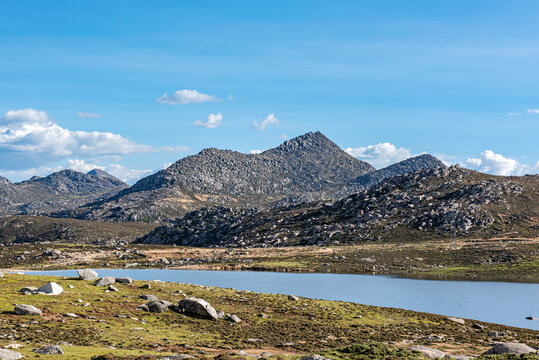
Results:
<point x="533" y="111"/>
<point x="166" y="165"/>
<point x="512" y="114"/>
<point x="25" y="174"/>
<point x="82" y="166"/>
<point x="24" y="116"/>
<point x="121" y="172"/>
<point x="30" y="134"/>
<point x="283" y="136"/>
<point x="86" y="115"/>
<point x="448" y="160"/>
<point x="184" y="97"/>
<point x="255" y="151"/>
<point x="125" y="174"/>
<point x="214" y="120"/>
<point x="380" y="155"/>
<point x="261" y="125"/>
<point x="497" y="164"/>
<point x="230" y="97"/>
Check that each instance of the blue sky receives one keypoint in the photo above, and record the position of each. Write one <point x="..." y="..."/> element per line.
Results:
<point x="80" y="81"/>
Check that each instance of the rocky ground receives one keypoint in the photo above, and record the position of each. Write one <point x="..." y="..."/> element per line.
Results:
<point x="511" y="259"/>
<point x="432" y="203"/>
<point x="126" y="319"/>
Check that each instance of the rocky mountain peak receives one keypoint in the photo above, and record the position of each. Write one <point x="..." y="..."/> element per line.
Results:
<point x="4" y="180"/>
<point x="101" y="173"/>
<point x="309" y="142"/>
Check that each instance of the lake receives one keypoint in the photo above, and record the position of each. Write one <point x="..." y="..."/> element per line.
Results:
<point x="498" y="302"/>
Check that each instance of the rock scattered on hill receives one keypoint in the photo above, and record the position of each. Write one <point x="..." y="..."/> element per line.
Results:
<point x="105" y="281"/>
<point x="9" y="355"/>
<point x="199" y="307"/>
<point x="87" y="274"/>
<point x="50" y="288"/>
<point x="50" y="350"/>
<point x="28" y="310"/>
<point x="509" y="348"/>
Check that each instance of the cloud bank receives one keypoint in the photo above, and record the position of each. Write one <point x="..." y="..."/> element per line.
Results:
<point x="497" y="164"/>
<point x="380" y="155"/>
<point x="186" y="96"/>
<point x="214" y="120"/>
<point x="31" y="134"/>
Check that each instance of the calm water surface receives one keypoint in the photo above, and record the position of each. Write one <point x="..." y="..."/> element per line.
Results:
<point x="498" y="302"/>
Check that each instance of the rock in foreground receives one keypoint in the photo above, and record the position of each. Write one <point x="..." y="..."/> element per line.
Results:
<point x="509" y="348"/>
<point x="51" y="288"/>
<point x="199" y="307"/>
<point x="28" y="310"/>
<point x="427" y="352"/>
<point x="87" y="274"/>
<point x="9" y="355"/>
<point x="50" y="350"/>
<point x="106" y="281"/>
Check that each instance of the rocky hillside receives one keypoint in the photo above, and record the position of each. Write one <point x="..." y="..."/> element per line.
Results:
<point x="307" y="164"/>
<point x="431" y="203"/>
<point x="362" y="182"/>
<point x="31" y="229"/>
<point x="61" y="190"/>
<point x="403" y="167"/>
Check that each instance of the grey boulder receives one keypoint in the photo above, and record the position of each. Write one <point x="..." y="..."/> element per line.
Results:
<point x="105" y="281"/>
<point x="509" y="348"/>
<point x="9" y="355"/>
<point x="51" y="288"/>
<point x="199" y="307"/>
<point x="149" y="297"/>
<point x="29" y="310"/>
<point x="87" y="274"/>
<point x="124" y="280"/>
<point x="427" y="352"/>
<point x="457" y="320"/>
<point x="232" y="318"/>
<point x="157" y="306"/>
<point x="50" y="350"/>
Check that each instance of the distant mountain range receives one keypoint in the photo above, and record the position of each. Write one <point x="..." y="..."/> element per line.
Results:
<point x="306" y="191"/>
<point x="306" y="168"/>
<point x="60" y="190"/>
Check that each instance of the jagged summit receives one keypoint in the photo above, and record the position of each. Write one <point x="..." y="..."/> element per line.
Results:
<point x="311" y="141"/>
<point x="308" y="163"/>
<point x="305" y="163"/>
<point x="60" y="190"/>
<point x="101" y="173"/>
<point x="4" y="180"/>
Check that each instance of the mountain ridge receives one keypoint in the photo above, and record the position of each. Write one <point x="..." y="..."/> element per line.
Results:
<point x="305" y="164"/>
<point x="65" y="189"/>
<point x="428" y="204"/>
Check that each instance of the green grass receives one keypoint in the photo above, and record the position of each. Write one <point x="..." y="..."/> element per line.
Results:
<point x="112" y="324"/>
